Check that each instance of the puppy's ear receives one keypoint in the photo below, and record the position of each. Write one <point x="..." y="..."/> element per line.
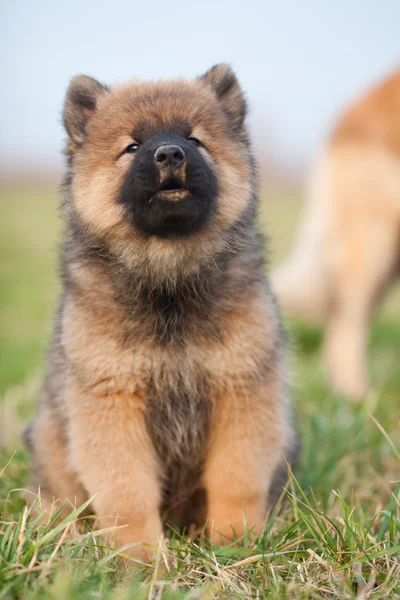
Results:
<point x="80" y="104"/>
<point x="227" y="89"/>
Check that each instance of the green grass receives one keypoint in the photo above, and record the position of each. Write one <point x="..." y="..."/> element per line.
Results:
<point x="337" y="536"/>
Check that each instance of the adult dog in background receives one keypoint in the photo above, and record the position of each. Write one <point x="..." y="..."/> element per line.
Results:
<point x="348" y="247"/>
<point x="166" y="394"/>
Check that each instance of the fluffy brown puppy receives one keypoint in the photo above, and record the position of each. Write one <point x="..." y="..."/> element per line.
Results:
<point x="348" y="249"/>
<point x="166" y="392"/>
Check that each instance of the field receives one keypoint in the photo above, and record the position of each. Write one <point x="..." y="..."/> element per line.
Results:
<point x="338" y="534"/>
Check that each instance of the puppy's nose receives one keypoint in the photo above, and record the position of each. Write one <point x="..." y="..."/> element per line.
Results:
<point x="169" y="155"/>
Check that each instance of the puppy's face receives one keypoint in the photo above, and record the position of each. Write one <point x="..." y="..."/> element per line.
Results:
<point x="160" y="165"/>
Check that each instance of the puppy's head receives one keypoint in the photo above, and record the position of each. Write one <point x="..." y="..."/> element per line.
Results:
<point x="159" y="171"/>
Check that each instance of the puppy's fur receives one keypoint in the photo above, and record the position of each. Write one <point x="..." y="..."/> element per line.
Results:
<point x="349" y="245"/>
<point x="166" y="392"/>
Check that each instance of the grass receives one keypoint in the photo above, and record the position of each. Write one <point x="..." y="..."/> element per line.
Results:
<point x="337" y="536"/>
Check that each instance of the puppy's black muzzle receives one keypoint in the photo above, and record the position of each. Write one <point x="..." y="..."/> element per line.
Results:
<point x="170" y="189"/>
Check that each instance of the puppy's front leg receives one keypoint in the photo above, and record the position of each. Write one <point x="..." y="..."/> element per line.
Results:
<point x="114" y="458"/>
<point x="245" y="449"/>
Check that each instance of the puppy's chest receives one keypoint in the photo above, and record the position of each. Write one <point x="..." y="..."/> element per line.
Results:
<point x="178" y="419"/>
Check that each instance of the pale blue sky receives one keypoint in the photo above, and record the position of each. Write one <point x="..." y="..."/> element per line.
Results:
<point x="298" y="61"/>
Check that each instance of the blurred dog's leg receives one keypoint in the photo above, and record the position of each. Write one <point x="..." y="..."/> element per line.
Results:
<point x="301" y="283"/>
<point x="366" y="260"/>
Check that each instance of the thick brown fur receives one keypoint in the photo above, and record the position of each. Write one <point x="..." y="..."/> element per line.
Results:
<point x="166" y="392"/>
<point x="348" y="249"/>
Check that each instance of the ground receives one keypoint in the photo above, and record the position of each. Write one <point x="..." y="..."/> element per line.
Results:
<point x="337" y="535"/>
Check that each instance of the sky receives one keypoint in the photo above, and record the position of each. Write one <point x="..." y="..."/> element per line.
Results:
<point x="299" y="62"/>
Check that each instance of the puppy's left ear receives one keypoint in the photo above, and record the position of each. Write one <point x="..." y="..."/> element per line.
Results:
<point x="227" y="89"/>
<point x="80" y="105"/>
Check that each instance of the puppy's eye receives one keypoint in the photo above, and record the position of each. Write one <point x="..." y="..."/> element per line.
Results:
<point x="195" y="141"/>
<point x="131" y="149"/>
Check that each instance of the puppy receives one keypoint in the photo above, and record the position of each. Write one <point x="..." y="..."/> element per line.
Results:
<point x="166" y="394"/>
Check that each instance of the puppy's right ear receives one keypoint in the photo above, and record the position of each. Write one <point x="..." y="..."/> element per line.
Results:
<point x="80" y="105"/>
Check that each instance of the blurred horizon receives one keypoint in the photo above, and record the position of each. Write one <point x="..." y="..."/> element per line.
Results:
<point x="299" y="65"/>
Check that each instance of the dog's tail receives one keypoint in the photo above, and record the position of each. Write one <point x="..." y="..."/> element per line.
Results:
<point x="301" y="282"/>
